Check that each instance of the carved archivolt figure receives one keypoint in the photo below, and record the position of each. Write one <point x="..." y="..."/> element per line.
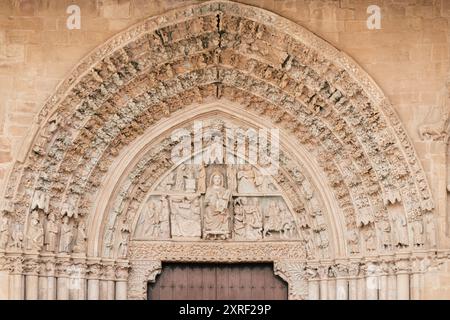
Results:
<point x="35" y="236"/>
<point x="123" y="244"/>
<point x="246" y="178"/>
<point x="66" y="235"/>
<point x="186" y="220"/>
<point x="51" y="233"/>
<point x="4" y="231"/>
<point x="216" y="220"/>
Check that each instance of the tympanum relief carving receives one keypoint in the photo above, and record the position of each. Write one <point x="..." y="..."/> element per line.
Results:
<point x="216" y="202"/>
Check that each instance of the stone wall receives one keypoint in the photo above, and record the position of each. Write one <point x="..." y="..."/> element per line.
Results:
<point x="408" y="58"/>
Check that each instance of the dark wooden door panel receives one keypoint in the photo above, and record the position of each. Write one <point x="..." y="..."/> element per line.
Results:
<point x="181" y="281"/>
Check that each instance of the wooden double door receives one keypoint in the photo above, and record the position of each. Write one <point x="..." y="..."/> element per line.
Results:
<point x="179" y="281"/>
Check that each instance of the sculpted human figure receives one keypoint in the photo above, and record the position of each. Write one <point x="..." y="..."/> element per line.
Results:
<point x="215" y="151"/>
<point x="201" y="179"/>
<point x="248" y="219"/>
<point x="66" y="235"/>
<point x="353" y="241"/>
<point x="246" y="178"/>
<point x="231" y="178"/>
<point x="80" y="243"/>
<point x="35" y="236"/>
<point x="216" y="220"/>
<point x="4" y="231"/>
<point x="149" y="225"/>
<point x="185" y="217"/>
<point x="369" y="237"/>
<point x="401" y="232"/>
<point x="51" y="232"/>
<point x="288" y="223"/>
<point x="430" y="230"/>
<point x="273" y="221"/>
<point x="123" y="244"/>
<point x="418" y="232"/>
<point x="385" y="231"/>
<point x="17" y="236"/>
<point x="180" y="178"/>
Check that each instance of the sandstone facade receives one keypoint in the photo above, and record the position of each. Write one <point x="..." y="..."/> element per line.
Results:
<point x="86" y="118"/>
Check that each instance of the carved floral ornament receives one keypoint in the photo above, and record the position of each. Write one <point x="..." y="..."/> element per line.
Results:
<point x="216" y="51"/>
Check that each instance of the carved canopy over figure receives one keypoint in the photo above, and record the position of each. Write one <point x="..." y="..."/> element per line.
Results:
<point x="216" y="220"/>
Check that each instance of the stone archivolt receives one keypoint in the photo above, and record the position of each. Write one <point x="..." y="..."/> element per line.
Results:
<point x="218" y="51"/>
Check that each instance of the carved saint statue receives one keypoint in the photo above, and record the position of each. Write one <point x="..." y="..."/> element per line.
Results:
<point x="35" y="236"/>
<point x="401" y="232"/>
<point x="247" y="219"/>
<point x="385" y="231"/>
<point x="66" y="236"/>
<point x="418" y="232"/>
<point x="4" y="231"/>
<point x="185" y="217"/>
<point x="246" y="178"/>
<point x="216" y="220"/>
<point x="353" y="241"/>
<point x="17" y="236"/>
<point x="430" y="230"/>
<point x="369" y="237"/>
<point x="51" y="233"/>
<point x="81" y="240"/>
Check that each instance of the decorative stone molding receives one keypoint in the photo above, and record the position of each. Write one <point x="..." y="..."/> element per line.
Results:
<point x="216" y="251"/>
<point x="294" y="273"/>
<point x="142" y="272"/>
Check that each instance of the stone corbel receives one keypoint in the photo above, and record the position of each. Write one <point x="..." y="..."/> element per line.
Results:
<point x="141" y="273"/>
<point x="294" y="273"/>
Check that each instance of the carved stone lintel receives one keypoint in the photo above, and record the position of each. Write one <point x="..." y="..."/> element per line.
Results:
<point x="294" y="273"/>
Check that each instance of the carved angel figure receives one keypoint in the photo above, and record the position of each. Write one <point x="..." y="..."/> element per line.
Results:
<point x="216" y="220"/>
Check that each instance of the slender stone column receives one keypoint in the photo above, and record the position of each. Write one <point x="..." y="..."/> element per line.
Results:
<point x="51" y="280"/>
<point x="16" y="280"/>
<point x="77" y="280"/>
<point x="121" y="282"/>
<point x="31" y="271"/>
<point x="416" y="276"/>
<point x="403" y="284"/>
<point x="94" y="275"/>
<point x="392" y="284"/>
<point x="383" y="281"/>
<point x="341" y="272"/>
<point x="323" y="282"/>
<point x="62" y="281"/>
<point x="313" y="284"/>
<point x="107" y="291"/>
<point x="353" y="271"/>
<point x="372" y="284"/>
